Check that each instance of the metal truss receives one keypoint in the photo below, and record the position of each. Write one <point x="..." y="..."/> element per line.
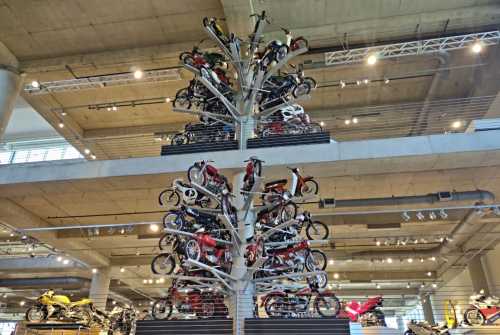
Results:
<point x="421" y="47"/>
<point x="120" y="79"/>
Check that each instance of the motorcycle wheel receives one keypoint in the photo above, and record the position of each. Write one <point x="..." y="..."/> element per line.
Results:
<point x="299" y="43"/>
<point x="182" y="99"/>
<point x="179" y="139"/>
<point x="206" y="308"/>
<point x="187" y="60"/>
<point x="281" y="53"/>
<point x="319" y="281"/>
<point x="309" y="187"/>
<point x="301" y="89"/>
<point x="85" y="317"/>
<point x="169" y="196"/>
<point x="35" y="314"/>
<point x="195" y="175"/>
<point x="327" y="305"/>
<point x="270" y="305"/>
<point x="267" y="132"/>
<point x="317" y="230"/>
<point x="166" y="240"/>
<point x="170" y="220"/>
<point x="314" y="128"/>
<point x="315" y="261"/>
<point x="310" y="81"/>
<point x="473" y="317"/>
<point x="192" y="250"/>
<point x="288" y="212"/>
<point x="409" y="332"/>
<point x="162" y="309"/>
<point x="163" y="264"/>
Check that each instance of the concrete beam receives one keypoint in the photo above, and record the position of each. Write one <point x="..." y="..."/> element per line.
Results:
<point x="237" y="14"/>
<point x="409" y="154"/>
<point x="95" y="134"/>
<point x="33" y="264"/>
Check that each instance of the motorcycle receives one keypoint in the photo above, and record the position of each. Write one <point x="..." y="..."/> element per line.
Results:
<point x="298" y="302"/>
<point x="202" y="304"/>
<point x="424" y="328"/>
<point x="190" y="220"/>
<point x="252" y="170"/>
<point x="294" y="43"/>
<point x="482" y="310"/>
<point x="302" y="186"/>
<point x="52" y="306"/>
<point x="206" y="175"/>
<point x="190" y="196"/>
<point x="212" y="24"/>
<point x="315" y="230"/>
<point x="367" y="313"/>
<point x="197" y="59"/>
<point x="123" y="320"/>
<point x="203" y="247"/>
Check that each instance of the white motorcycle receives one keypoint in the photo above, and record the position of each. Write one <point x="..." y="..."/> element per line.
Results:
<point x="181" y="190"/>
<point x="424" y="328"/>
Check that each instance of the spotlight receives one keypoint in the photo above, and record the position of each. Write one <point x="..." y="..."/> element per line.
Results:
<point x="151" y="303"/>
<point x="331" y="262"/>
<point x="154" y="227"/>
<point x="429" y="274"/>
<point x="94" y="270"/>
<point x="481" y="291"/>
<point x="59" y="258"/>
<point x="342" y="84"/>
<point x="168" y="100"/>
<point x="442" y="214"/>
<point x="433" y="258"/>
<point x="322" y="123"/>
<point x="421" y="260"/>
<point x="456" y="124"/>
<point x="122" y="269"/>
<point x="114" y="108"/>
<point x="355" y="120"/>
<point x="93" y="156"/>
<point x="161" y="280"/>
<point x="389" y="260"/>
<point x="144" y="281"/>
<point x="432" y="216"/>
<point x="150" y="281"/>
<point x="108" y="109"/>
<point x="405" y="216"/>
<point x="138" y="74"/>
<point x="86" y="151"/>
<point x="377" y="242"/>
<point x="61" y="125"/>
<point x="408" y="285"/>
<point x="347" y="122"/>
<point x="66" y="261"/>
<point x="366" y="81"/>
<point x="21" y="303"/>
<point x="434" y="285"/>
<point x="64" y="113"/>
<point x="420" y="216"/>
<point x="122" y="231"/>
<point x="387" y="80"/>
<point x="410" y="260"/>
<point x="336" y="276"/>
<point x="358" y="82"/>
<point x="372" y="59"/>
<point x="422" y="285"/>
<point x="114" y="302"/>
<point x="477" y="47"/>
<point x="377" y="286"/>
<point x="35" y="84"/>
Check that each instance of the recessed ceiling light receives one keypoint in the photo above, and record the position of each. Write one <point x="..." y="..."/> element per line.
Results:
<point x="138" y="74"/>
<point x="154" y="227"/>
<point x="372" y="59"/>
<point x="347" y="122"/>
<point x="322" y="123"/>
<point x="86" y="151"/>
<point x="35" y="84"/>
<point x="354" y="120"/>
<point x="94" y="270"/>
<point x="61" y="125"/>
<point x="456" y="124"/>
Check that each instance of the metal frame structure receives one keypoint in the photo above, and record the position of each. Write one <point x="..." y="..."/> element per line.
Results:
<point x="420" y="47"/>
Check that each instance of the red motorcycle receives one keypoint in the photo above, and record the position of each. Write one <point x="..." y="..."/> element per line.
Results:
<point x="367" y="313"/>
<point x="203" y="304"/>
<point x="207" y="175"/>
<point x="253" y="169"/>
<point x="302" y="185"/>
<point x="293" y="257"/>
<point x="296" y="303"/>
<point x="482" y="310"/>
<point x="204" y="248"/>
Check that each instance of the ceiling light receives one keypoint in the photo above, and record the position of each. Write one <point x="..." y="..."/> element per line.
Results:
<point x="432" y="216"/>
<point x="114" y="302"/>
<point x="422" y="285"/>
<point x="378" y="286"/>
<point x="150" y="281"/>
<point x="145" y="281"/>
<point x="114" y="108"/>
<point x="456" y="124"/>
<point x="161" y="280"/>
<point x="420" y="216"/>
<point x="151" y="303"/>
<point x="22" y="302"/>
<point x="372" y="59"/>
<point x="61" y="125"/>
<point x="94" y="270"/>
<point x="35" y="84"/>
<point x="108" y="109"/>
<point x="64" y="113"/>
<point x="377" y="243"/>
<point x="342" y="84"/>
<point x="389" y="260"/>
<point x="86" y="151"/>
<point x="168" y="99"/>
<point x="93" y="156"/>
<point x="366" y="81"/>
<point x="322" y="123"/>
<point x="477" y="47"/>
<point x="354" y="120"/>
<point x="405" y="216"/>
<point x="138" y="74"/>
<point x="410" y="260"/>
<point x="429" y="274"/>
<point x="433" y="258"/>
<point x="66" y="261"/>
<point x="122" y="231"/>
<point x="387" y="80"/>
<point x="335" y="276"/>
<point x="421" y="260"/>
<point x="434" y="285"/>
<point x="358" y="82"/>
<point x="347" y="122"/>
<point x="408" y="285"/>
<point x="331" y="261"/>
<point x="59" y="258"/>
<point x="122" y="269"/>
<point x="154" y="227"/>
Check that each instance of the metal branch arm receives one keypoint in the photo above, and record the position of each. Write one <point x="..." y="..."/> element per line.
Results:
<point x="221" y="118"/>
<point x="205" y="191"/>
<point x="283" y="62"/>
<point x="232" y="109"/>
<point x="217" y="273"/>
<point x="217" y="40"/>
<point x="185" y="233"/>
<point x="291" y="276"/>
<point x="227" y="224"/>
<point x="271" y="231"/>
<point x="251" y="194"/>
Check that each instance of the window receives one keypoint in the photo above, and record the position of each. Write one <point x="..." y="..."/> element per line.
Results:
<point x="20" y="156"/>
<point x="37" y="155"/>
<point x="5" y="157"/>
<point x="52" y="153"/>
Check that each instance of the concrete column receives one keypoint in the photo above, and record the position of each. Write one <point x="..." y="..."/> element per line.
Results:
<point x="99" y="287"/>
<point x="478" y="276"/>
<point x="10" y="86"/>
<point x="427" y="308"/>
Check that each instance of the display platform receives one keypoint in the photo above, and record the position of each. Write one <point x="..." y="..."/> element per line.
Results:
<point x="285" y="140"/>
<point x="55" y="328"/>
<point x="167" y="150"/>
<point x="356" y="329"/>
<point x="167" y="327"/>
<point x="55" y="325"/>
<point x="477" y="330"/>
<point x="317" y="326"/>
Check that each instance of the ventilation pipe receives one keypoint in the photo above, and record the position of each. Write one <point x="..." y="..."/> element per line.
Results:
<point x="478" y="195"/>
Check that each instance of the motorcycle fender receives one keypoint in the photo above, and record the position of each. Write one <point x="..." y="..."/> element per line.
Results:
<point x="279" y="293"/>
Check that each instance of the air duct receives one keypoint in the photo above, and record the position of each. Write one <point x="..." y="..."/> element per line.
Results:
<point x="45" y="283"/>
<point x="431" y="198"/>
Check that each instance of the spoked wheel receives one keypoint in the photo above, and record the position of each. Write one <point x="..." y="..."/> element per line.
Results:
<point x="179" y="139"/>
<point x="182" y="99"/>
<point x="84" y="317"/>
<point x="163" y="264"/>
<point x="169" y="197"/>
<point x="192" y="250"/>
<point x="35" y="314"/>
<point x="327" y="305"/>
<point x="195" y="175"/>
<point x="473" y="317"/>
<point x="299" y="43"/>
<point x="310" y="81"/>
<point x="317" y="230"/>
<point x="310" y="187"/>
<point x="301" y="90"/>
<point x="315" y="261"/>
<point x="319" y="280"/>
<point x="188" y="59"/>
<point x="271" y="305"/>
<point x="165" y="241"/>
<point x="172" y="221"/>
<point x="162" y="309"/>
<point x="288" y="212"/>
<point x="314" y="127"/>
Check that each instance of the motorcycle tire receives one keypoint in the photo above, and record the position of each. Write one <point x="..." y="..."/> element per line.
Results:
<point x="42" y="314"/>
<point x="318" y="281"/>
<point x="170" y="221"/>
<point x="314" y="128"/>
<point x="179" y="139"/>
<point x="409" y="332"/>
<point x="310" y="187"/>
<point x="299" y="43"/>
<point x="162" y="309"/>
<point x="182" y="99"/>
<point x="301" y="89"/>
<point x="163" y="264"/>
<point x="268" y="304"/>
<point x="315" y="261"/>
<point x="288" y="212"/>
<point x="184" y="54"/>
<point x="317" y="230"/>
<point x="85" y="317"/>
<point x="280" y="53"/>
<point x="473" y="317"/>
<point x="192" y="250"/>
<point x="195" y="175"/>
<point x="165" y="241"/>
<point x="188" y="60"/>
<point x="327" y="305"/>
<point x="312" y="83"/>
<point x="169" y="196"/>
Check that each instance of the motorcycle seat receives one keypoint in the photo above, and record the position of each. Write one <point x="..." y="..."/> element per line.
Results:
<point x="276" y="183"/>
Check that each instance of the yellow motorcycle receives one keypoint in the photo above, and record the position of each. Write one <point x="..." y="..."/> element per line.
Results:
<point x="52" y="306"/>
